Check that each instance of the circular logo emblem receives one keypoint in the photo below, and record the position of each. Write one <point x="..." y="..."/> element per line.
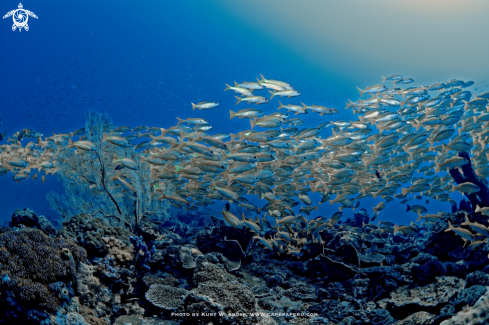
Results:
<point x="20" y="17"/>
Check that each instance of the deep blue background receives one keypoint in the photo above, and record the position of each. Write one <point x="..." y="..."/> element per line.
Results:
<point x="143" y="63"/>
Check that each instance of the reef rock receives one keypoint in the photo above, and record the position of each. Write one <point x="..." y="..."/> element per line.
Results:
<point x="405" y="301"/>
<point x="29" y="219"/>
<point x="419" y="318"/>
<point x="476" y="315"/>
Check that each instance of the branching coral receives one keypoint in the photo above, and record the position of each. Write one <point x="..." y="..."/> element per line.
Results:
<point x="142" y="254"/>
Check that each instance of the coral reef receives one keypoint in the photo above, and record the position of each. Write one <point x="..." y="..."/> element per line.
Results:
<point x="38" y="271"/>
<point x="476" y="315"/>
<point x="165" y="296"/>
<point x="88" y="232"/>
<point x="28" y="218"/>
<point x="218" y="274"/>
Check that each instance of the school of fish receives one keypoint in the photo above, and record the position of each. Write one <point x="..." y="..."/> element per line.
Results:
<point x="402" y="144"/>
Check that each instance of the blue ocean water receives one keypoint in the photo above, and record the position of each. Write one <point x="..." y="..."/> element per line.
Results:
<point x="144" y="63"/>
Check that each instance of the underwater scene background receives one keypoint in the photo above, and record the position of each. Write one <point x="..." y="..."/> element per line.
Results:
<point x="97" y="66"/>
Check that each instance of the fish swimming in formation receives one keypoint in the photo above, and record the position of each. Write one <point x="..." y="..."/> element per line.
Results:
<point x="402" y="145"/>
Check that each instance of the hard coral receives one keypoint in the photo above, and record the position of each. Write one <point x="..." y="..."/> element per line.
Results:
<point x="88" y="231"/>
<point x="166" y="297"/>
<point x="217" y="293"/>
<point x="32" y="261"/>
<point x="121" y="252"/>
<point x="164" y="279"/>
<point x="142" y="254"/>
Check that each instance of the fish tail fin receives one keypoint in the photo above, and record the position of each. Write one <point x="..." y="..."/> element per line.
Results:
<point x="453" y="187"/>
<point x="253" y="123"/>
<point x="231" y="114"/>
<point x="39" y="142"/>
<point x="408" y="208"/>
<point x="437" y="168"/>
<point x="239" y="100"/>
<point x="273" y="94"/>
<point x="384" y="79"/>
<point x="444" y="147"/>
<point x="467" y="222"/>
<point x="179" y="121"/>
<point x="193" y="106"/>
<point x="431" y="141"/>
<point x="417" y="124"/>
<point x="305" y="106"/>
<point x="104" y="137"/>
<point x="419" y="218"/>
<point x="235" y="84"/>
<point x="70" y="143"/>
<point x="396" y="229"/>
<point x="361" y="92"/>
<point x="180" y="139"/>
<point x="262" y="78"/>
<point x="228" y="86"/>
<point x="371" y="120"/>
<point x="233" y="136"/>
<point x="450" y="227"/>
<point x="280" y="105"/>
<point x="477" y="208"/>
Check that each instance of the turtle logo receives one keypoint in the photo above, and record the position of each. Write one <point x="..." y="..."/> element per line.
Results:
<point x="20" y="17"/>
